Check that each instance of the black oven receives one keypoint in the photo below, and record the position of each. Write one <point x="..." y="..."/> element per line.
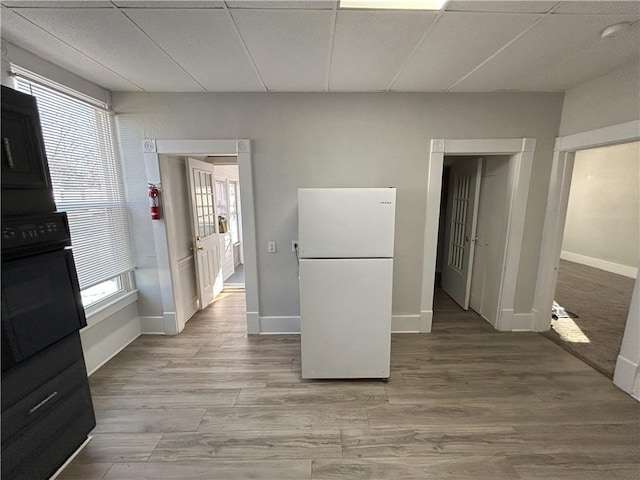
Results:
<point x="41" y="301"/>
<point x="46" y="411"/>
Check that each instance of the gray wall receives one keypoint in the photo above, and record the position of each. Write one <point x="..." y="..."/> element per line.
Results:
<point x="603" y="216"/>
<point x="339" y="140"/>
<point x="608" y="100"/>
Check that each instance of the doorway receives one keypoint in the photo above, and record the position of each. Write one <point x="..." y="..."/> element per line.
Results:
<point x="204" y="227"/>
<point x="599" y="255"/>
<point x="521" y="153"/>
<point x="472" y="233"/>
<point x="167" y="238"/>
<point x="627" y="372"/>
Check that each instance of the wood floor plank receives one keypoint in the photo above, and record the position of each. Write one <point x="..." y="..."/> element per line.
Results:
<point x="145" y="420"/>
<point x="283" y="418"/>
<point x="119" y="447"/>
<point x="505" y="413"/>
<point x="305" y="394"/>
<point x="226" y="365"/>
<point x="201" y="398"/>
<point x="195" y="381"/>
<point x="440" y="467"/>
<point x="264" y="353"/>
<point x="421" y="442"/>
<point x="84" y="471"/>
<point x="620" y="465"/>
<point x="253" y="445"/>
<point x="209" y="470"/>
<point x="617" y="439"/>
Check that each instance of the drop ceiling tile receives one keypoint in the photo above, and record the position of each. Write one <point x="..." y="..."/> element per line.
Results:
<point x="110" y="38"/>
<point x="555" y="38"/>
<point x="573" y="6"/>
<point x="507" y="6"/>
<point x="601" y="58"/>
<point x="289" y="47"/>
<point x="371" y="46"/>
<point x="295" y="4"/>
<point x="457" y="44"/>
<point x="170" y="4"/>
<point x="25" y="34"/>
<point x="203" y="42"/>
<point x="58" y="4"/>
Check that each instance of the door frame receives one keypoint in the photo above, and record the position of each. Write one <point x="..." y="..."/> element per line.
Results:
<point x="168" y="276"/>
<point x="521" y="151"/>
<point x="564" y="152"/>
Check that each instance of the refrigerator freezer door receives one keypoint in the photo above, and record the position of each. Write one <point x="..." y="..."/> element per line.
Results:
<point x="346" y="222"/>
<point x="345" y="317"/>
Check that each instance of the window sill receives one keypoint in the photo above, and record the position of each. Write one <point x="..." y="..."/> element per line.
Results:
<point x="110" y="308"/>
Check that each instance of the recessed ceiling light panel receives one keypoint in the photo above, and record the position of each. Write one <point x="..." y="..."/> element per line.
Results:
<point x="394" y="4"/>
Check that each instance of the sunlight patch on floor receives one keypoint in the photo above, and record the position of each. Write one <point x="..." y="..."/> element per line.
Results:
<point x="569" y="331"/>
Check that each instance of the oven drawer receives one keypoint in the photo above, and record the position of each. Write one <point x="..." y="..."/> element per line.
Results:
<point x="40" y="449"/>
<point x="27" y="376"/>
<point x="39" y="403"/>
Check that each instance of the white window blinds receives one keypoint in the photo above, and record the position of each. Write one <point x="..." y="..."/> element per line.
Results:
<point x="87" y="181"/>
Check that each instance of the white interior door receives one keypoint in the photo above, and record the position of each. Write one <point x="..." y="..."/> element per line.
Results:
<point x="462" y="214"/>
<point x="206" y="244"/>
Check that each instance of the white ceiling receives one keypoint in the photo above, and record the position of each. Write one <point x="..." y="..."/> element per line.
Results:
<point x="312" y="45"/>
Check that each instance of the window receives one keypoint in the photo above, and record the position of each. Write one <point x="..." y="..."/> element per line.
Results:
<point x="79" y="138"/>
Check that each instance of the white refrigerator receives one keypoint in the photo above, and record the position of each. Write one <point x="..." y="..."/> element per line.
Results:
<point x="346" y="276"/>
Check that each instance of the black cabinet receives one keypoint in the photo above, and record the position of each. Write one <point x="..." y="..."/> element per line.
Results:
<point x="46" y="411"/>
<point x="46" y="402"/>
<point x="26" y="183"/>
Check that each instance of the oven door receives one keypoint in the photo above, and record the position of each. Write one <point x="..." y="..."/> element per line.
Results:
<point x="41" y="304"/>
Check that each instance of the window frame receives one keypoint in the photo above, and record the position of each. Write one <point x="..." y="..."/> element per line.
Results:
<point x="126" y="294"/>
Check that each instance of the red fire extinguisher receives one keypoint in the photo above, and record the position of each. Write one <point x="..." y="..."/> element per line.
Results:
<point x="154" y="201"/>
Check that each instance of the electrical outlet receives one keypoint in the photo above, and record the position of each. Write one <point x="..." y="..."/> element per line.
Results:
<point x="294" y="245"/>
<point x="271" y="247"/>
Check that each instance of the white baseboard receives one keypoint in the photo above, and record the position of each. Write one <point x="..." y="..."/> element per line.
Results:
<point x="152" y="326"/>
<point x="291" y="324"/>
<point x="625" y="270"/>
<point x="426" y="320"/>
<point x="276" y="325"/>
<point x="406" y="323"/>
<point x="170" y="320"/>
<point x="106" y="339"/>
<point x="70" y="459"/>
<point x="626" y="376"/>
<point x="515" y="322"/>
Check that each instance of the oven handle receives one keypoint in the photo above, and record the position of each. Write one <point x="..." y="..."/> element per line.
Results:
<point x="42" y="403"/>
<point x="7" y="149"/>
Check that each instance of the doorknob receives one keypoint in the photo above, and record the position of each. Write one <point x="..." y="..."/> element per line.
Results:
<point x="196" y="248"/>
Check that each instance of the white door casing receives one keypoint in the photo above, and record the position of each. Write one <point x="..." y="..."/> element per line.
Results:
<point x="168" y="275"/>
<point x="206" y="242"/>
<point x="521" y="151"/>
<point x="461" y="224"/>
<point x="557" y="202"/>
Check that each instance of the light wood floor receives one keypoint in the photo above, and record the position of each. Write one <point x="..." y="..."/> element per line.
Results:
<point x="462" y="403"/>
